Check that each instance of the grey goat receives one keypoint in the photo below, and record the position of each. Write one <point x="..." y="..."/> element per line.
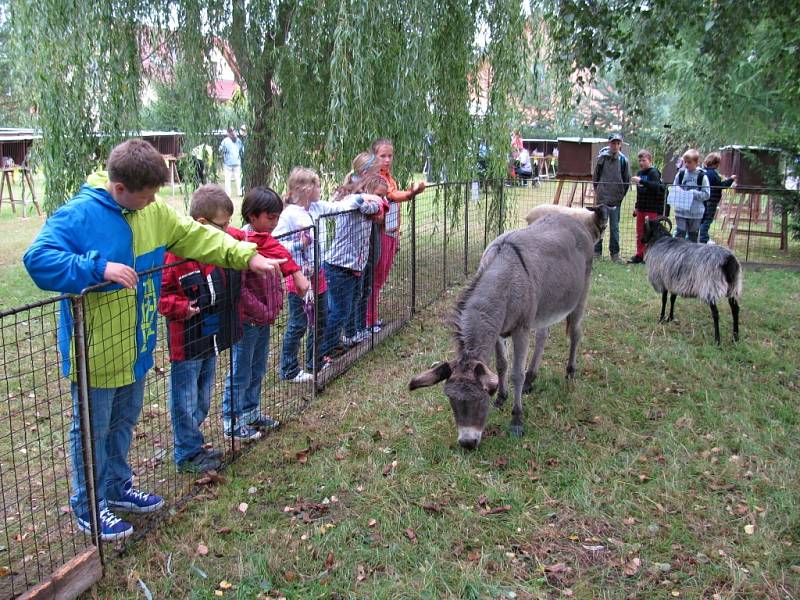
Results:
<point x="528" y="279"/>
<point x="682" y="268"/>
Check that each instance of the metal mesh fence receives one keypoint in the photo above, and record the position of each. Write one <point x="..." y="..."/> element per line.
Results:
<point x="367" y="282"/>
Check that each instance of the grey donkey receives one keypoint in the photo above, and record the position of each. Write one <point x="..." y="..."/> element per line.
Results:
<point x="528" y="280"/>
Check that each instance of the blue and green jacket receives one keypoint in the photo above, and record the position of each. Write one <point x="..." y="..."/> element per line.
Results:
<point x="72" y="250"/>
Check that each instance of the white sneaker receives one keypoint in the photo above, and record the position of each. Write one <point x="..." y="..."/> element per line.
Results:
<point x="301" y="377"/>
<point x="710" y="243"/>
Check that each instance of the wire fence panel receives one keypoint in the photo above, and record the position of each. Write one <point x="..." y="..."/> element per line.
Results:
<point x="170" y="391"/>
<point x="39" y="533"/>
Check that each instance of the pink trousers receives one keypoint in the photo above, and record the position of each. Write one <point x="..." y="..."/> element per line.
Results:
<point x="389" y="245"/>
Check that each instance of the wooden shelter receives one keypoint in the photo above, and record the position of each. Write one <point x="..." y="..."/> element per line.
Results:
<point x="577" y="158"/>
<point x="14" y="147"/>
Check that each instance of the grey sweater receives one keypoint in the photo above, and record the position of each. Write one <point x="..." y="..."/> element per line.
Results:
<point x="612" y="175"/>
<point x="350" y="246"/>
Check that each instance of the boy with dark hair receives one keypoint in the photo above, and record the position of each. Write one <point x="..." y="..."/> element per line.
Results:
<point x="201" y="304"/>
<point x="112" y="228"/>
<point x="649" y="199"/>
<point x="716" y="185"/>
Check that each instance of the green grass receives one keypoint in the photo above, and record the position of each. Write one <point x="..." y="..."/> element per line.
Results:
<point x="666" y="449"/>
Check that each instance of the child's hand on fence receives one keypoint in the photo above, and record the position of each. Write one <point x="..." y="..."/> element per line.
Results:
<point x="305" y="238"/>
<point x="121" y="274"/>
<point x="192" y="309"/>
<point x="417" y="187"/>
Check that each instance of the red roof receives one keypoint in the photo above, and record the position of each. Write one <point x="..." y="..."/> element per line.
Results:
<point x="224" y="89"/>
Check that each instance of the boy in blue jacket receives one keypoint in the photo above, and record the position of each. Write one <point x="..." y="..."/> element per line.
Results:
<point x="112" y="228"/>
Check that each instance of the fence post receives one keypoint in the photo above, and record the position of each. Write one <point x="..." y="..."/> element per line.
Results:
<point x="413" y="255"/>
<point x="467" y="193"/>
<point x="501" y="208"/>
<point x="314" y="328"/>
<point x="447" y="190"/>
<point x="85" y="416"/>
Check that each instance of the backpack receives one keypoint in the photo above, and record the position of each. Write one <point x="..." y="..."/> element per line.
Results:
<point x="682" y="172"/>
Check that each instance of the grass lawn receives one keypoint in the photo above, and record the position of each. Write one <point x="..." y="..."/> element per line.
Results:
<point x="668" y="469"/>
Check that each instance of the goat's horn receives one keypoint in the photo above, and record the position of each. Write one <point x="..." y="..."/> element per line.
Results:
<point x="665" y="220"/>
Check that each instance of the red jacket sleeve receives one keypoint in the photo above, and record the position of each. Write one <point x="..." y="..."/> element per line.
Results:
<point x="173" y="304"/>
<point x="268" y="247"/>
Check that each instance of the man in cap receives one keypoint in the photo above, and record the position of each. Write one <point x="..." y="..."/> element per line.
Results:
<point x="611" y="178"/>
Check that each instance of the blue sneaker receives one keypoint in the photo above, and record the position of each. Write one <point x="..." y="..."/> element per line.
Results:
<point x="243" y="433"/>
<point x="136" y="501"/>
<point x="264" y="422"/>
<point x="112" y="528"/>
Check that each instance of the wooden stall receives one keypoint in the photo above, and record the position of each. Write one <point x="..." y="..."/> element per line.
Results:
<point x="577" y="158"/>
<point x="543" y="152"/>
<point x="749" y="210"/>
<point x="170" y="145"/>
<point x="14" y="147"/>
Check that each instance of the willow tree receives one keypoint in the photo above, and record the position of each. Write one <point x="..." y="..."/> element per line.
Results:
<point x="322" y="79"/>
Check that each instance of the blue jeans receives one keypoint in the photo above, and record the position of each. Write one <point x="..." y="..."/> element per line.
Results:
<point x="708" y="219"/>
<point x="613" y="232"/>
<point x="249" y="358"/>
<point x="296" y="326"/>
<point x="114" y="413"/>
<point x="191" y="382"/>
<point x="343" y="286"/>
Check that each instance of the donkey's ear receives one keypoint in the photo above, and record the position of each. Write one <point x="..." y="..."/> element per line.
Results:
<point x="486" y="378"/>
<point x="432" y="376"/>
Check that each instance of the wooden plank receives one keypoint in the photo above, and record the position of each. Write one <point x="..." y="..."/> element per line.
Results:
<point x="69" y="580"/>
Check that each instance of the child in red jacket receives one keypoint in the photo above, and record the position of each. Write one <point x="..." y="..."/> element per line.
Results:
<point x="201" y="304"/>
<point x="261" y="302"/>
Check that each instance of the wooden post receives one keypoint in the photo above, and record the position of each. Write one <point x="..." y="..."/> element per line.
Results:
<point x="69" y="580"/>
<point x="559" y="187"/>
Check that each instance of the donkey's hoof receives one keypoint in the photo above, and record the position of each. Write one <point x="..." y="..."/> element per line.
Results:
<point x="517" y="431"/>
<point x="501" y="399"/>
<point x="527" y="385"/>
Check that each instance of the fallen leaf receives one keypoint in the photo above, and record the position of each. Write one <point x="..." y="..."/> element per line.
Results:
<point x="497" y="510"/>
<point x="223" y="530"/>
<point x="408" y="429"/>
<point x="457" y="549"/>
<point x="411" y="535"/>
<point x="329" y="561"/>
<point x="211" y="477"/>
<point x="597" y="548"/>
<point x="243" y="507"/>
<point x="434" y="507"/>
<point x="202" y="549"/>
<point x="225" y="585"/>
<point x="5" y="571"/>
<point x="252" y="490"/>
<point x="377" y="435"/>
<point x="474" y="555"/>
<point x="372" y="523"/>
<point x="361" y="573"/>
<point x="290" y="576"/>
<point x="482" y="501"/>
<point x="389" y="468"/>
<point x="501" y="462"/>
<point x="628" y="521"/>
<point x="219" y="593"/>
<point x="632" y="567"/>
<point x="749" y="529"/>
<point x="302" y="457"/>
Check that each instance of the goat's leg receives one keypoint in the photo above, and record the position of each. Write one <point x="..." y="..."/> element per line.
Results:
<point x="501" y="360"/>
<point x="663" y="306"/>
<point x="522" y="340"/>
<point x="672" y="307"/>
<point x="735" y="314"/>
<point x="715" y="316"/>
<point x="536" y="359"/>
<point x="574" y="323"/>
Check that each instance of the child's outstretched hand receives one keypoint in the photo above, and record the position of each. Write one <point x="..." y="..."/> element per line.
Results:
<point x="417" y="187"/>
<point x="192" y="309"/>
<point x="265" y="266"/>
<point x="121" y="274"/>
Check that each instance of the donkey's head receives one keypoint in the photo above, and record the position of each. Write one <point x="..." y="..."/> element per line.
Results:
<point x="469" y="386"/>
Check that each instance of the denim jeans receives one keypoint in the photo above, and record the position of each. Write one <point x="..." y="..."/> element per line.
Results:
<point x="191" y="382"/>
<point x="707" y="220"/>
<point x="613" y="232"/>
<point x="362" y="297"/>
<point x="687" y="228"/>
<point x="114" y="413"/>
<point x="296" y="326"/>
<point x="343" y="286"/>
<point x="241" y="401"/>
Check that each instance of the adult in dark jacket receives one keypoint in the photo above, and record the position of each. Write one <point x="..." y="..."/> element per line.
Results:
<point x="649" y="199"/>
<point x="717" y="184"/>
<point x="612" y="175"/>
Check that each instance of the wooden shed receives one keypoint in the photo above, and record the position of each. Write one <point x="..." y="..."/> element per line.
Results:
<point x="754" y="166"/>
<point x="542" y="146"/>
<point x="168" y="143"/>
<point x="15" y="144"/>
<point x="578" y="156"/>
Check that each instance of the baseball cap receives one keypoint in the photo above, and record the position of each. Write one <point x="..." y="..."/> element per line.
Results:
<point x="615" y="136"/>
